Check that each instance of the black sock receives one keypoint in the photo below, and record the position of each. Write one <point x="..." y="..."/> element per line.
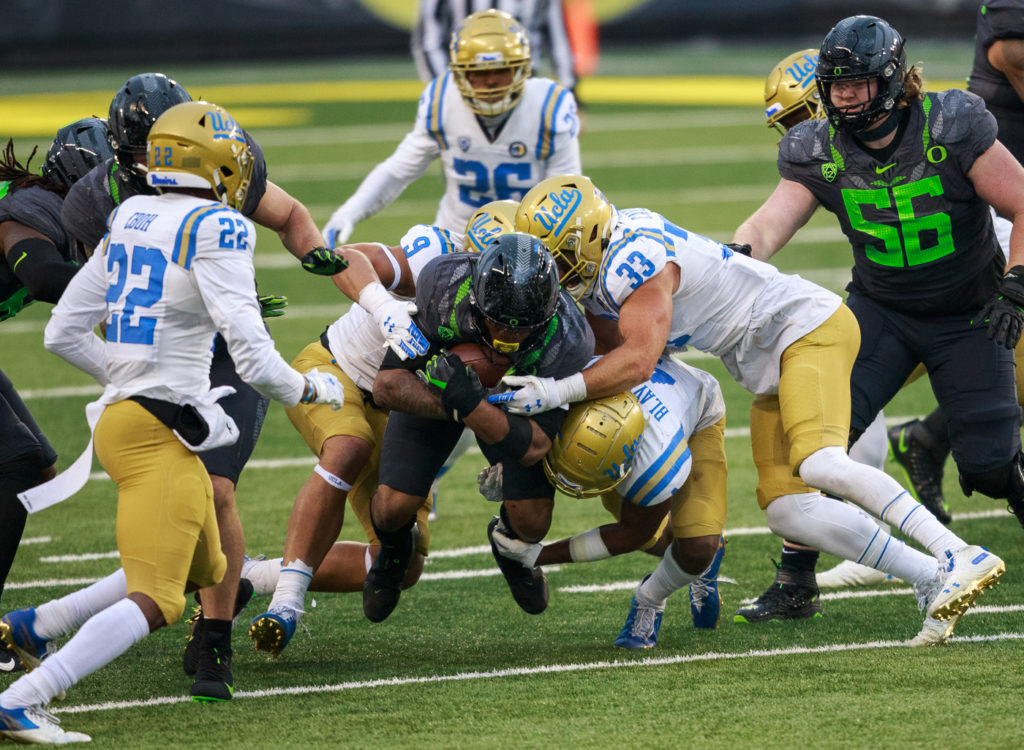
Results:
<point x="799" y="560"/>
<point x="216" y="634"/>
<point x="933" y="433"/>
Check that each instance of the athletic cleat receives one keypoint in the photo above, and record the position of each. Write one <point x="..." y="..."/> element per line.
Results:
<point x="922" y="469"/>
<point x="786" y="599"/>
<point x="17" y="632"/>
<point x="35" y="726"/>
<point x="528" y="585"/>
<point x="971" y="570"/>
<point x="272" y="630"/>
<point x="190" y="661"/>
<point x="383" y="585"/>
<point x="705" y="598"/>
<point x="9" y="661"/>
<point x="213" y="681"/>
<point x="849" y="573"/>
<point x="934" y="632"/>
<point x="642" y="625"/>
<point x="262" y="575"/>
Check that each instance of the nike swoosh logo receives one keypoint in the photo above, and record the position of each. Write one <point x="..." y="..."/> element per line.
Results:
<point x="903" y="441"/>
<point x="886" y="168"/>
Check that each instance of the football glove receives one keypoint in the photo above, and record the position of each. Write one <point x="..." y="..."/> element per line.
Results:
<point x="394" y="318"/>
<point x="323" y="262"/>
<point x="272" y="305"/>
<point x="461" y="389"/>
<point x="535" y="395"/>
<point x="323" y="388"/>
<point x="215" y="428"/>
<point x="524" y="553"/>
<point x="337" y="231"/>
<point x="489" y="482"/>
<point x="741" y="249"/>
<point x="1005" y="314"/>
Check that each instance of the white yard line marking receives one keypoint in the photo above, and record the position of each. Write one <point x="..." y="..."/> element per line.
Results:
<point x="51" y="583"/>
<point x="650" y="661"/>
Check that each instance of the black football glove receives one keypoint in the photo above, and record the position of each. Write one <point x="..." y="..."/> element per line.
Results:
<point x="461" y="389"/>
<point x="272" y="305"/>
<point x="741" y="249"/>
<point x="1005" y="314"/>
<point x="323" y="262"/>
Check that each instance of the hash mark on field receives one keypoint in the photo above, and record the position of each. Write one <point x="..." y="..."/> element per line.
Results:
<point x="544" y="669"/>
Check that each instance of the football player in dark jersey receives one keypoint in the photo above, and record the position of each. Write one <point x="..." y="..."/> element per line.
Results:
<point x="37" y="260"/>
<point x="922" y="445"/>
<point x="908" y="174"/>
<point x="507" y="299"/>
<point x="133" y="110"/>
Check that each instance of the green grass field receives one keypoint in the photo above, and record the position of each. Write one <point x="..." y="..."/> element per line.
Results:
<point x="458" y="664"/>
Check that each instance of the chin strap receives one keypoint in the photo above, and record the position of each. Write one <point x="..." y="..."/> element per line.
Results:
<point x="888" y="125"/>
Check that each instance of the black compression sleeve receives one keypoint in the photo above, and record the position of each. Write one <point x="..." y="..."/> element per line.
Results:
<point x="42" y="270"/>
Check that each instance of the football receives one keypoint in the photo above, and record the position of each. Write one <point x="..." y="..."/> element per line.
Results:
<point x="488" y="365"/>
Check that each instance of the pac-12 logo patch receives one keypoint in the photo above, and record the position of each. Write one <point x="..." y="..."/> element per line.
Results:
<point x="517" y="150"/>
<point x="464" y="143"/>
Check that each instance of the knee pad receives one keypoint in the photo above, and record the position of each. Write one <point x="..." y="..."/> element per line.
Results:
<point x="1006" y="482"/>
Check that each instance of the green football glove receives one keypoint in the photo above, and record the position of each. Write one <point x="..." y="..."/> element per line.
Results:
<point x="272" y="305"/>
<point x="323" y="262"/>
<point x="461" y="389"/>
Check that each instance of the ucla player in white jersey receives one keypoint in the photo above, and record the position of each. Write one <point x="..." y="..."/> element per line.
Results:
<point x="347" y="442"/>
<point x="497" y="131"/>
<point x="173" y="270"/>
<point x="649" y="286"/>
<point x="656" y="455"/>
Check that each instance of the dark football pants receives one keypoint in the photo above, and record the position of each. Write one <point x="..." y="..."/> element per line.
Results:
<point x="973" y="379"/>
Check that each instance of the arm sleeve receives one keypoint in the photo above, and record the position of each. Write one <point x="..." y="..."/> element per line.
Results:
<point x="389" y="178"/>
<point x="69" y="333"/>
<point x="227" y="285"/>
<point x="40" y="268"/>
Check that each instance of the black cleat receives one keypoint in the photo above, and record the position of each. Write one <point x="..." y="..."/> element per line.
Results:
<point x="529" y="586"/>
<point x="792" y="596"/>
<point x="383" y="584"/>
<point x="922" y="469"/>
<point x="213" y="681"/>
<point x="9" y="661"/>
<point x="190" y="660"/>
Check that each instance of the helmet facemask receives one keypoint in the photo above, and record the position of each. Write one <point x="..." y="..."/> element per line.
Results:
<point x="490" y="41"/>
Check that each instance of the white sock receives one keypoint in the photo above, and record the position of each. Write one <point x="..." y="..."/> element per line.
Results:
<point x="667" y="578"/>
<point x="60" y="617"/>
<point x="262" y="574"/>
<point x="845" y="531"/>
<point x="292" y="582"/>
<point x="103" y="638"/>
<point x="872" y="447"/>
<point x="830" y="469"/>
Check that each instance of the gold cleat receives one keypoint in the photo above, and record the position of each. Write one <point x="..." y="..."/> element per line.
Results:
<point x="973" y="570"/>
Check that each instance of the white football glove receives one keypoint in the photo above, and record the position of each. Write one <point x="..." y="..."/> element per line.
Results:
<point x="489" y="482"/>
<point x="324" y="388"/>
<point x="524" y="553"/>
<point x="337" y="230"/>
<point x="223" y="430"/>
<point x="394" y="318"/>
<point x="535" y="395"/>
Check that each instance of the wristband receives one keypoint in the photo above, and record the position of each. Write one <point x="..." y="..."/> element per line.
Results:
<point x="373" y="296"/>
